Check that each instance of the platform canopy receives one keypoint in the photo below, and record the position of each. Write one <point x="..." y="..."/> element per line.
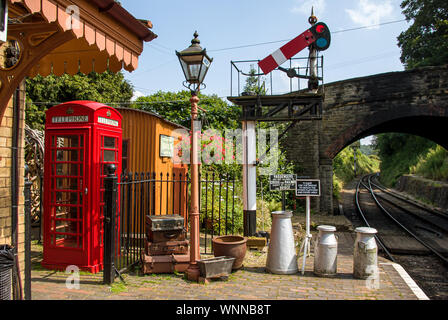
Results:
<point x="70" y="36"/>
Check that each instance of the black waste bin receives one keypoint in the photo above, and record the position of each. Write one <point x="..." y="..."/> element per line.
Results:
<point x="6" y="266"/>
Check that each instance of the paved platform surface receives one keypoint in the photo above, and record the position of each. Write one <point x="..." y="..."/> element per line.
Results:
<point x="249" y="283"/>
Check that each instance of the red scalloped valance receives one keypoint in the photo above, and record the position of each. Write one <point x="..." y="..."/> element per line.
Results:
<point x="100" y="40"/>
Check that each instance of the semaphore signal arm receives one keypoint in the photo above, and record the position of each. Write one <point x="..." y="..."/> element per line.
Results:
<point x="318" y="35"/>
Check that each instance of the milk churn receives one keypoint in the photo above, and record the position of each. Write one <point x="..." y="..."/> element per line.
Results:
<point x="365" y="255"/>
<point x="325" y="251"/>
<point x="282" y="256"/>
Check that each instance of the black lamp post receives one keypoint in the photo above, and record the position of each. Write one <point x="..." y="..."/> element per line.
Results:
<point x="195" y="63"/>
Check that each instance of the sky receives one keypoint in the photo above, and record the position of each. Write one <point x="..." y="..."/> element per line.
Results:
<point x="234" y="30"/>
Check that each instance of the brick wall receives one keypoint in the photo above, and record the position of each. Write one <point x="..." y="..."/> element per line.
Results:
<point x="6" y="128"/>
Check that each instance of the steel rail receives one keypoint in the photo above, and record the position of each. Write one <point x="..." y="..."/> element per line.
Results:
<point x="415" y="215"/>
<point x="361" y="213"/>
<point x="393" y="194"/>
<point x="444" y="259"/>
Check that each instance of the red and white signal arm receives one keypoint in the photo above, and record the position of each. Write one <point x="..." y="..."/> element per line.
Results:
<point x="319" y="34"/>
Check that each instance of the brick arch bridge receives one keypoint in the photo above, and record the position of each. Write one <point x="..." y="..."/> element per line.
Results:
<point x="414" y="102"/>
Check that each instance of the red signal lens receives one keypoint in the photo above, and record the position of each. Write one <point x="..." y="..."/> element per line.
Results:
<point x="320" y="28"/>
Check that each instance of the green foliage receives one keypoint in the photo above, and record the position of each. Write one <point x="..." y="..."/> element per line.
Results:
<point x="337" y="187"/>
<point x="343" y="167"/>
<point x="264" y="210"/>
<point x="45" y="92"/>
<point x="425" y="42"/>
<point x="118" y="287"/>
<point x="433" y="165"/>
<point x="398" y="153"/>
<point x="215" y="205"/>
<point x="254" y="84"/>
<point x="176" y="107"/>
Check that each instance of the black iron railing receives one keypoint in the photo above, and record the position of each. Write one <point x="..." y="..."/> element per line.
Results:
<point x="142" y="194"/>
<point x="217" y="207"/>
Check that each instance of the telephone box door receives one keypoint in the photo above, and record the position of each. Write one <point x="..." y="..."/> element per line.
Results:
<point x="67" y="200"/>
<point x="109" y="153"/>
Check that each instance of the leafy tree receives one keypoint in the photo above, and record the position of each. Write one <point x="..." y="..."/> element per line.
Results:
<point x="176" y="107"/>
<point x="425" y="42"/>
<point x="253" y="84"/>
<point x="45" y="92"/>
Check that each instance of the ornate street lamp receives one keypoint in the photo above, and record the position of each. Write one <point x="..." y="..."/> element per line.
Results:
<point x="195" y="63"/>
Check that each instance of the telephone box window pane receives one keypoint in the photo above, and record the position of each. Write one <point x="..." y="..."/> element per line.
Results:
<point x="66" y="240"/>
<point x="66" y="198"/>
<point x="66" y="212"/>
<point x="67" y="169"/>
<point x="65" y="226"/>
<point x="105" y="172"/>
<point x="109" y="142"/>
<point x="67" y="183"/>
<point x="67" y="155"/>
<point x="67" y="142"/>
<point x="108" y="155"/>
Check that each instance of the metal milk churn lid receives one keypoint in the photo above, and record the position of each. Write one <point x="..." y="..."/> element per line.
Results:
<point x="365" y="254"/>
<point x="326" y="251"/>
<point x="282" y="256"/>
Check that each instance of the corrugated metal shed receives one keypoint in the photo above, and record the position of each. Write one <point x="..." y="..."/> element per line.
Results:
<point x="141" y="133"/>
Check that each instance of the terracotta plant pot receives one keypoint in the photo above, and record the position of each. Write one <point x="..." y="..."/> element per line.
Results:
<point x="230" y="246"/>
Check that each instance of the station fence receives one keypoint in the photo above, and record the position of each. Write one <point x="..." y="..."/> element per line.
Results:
<point x="138" y="195"/>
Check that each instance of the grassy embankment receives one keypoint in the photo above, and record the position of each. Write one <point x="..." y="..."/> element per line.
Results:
<point x="343" y="167"/>
<point x="432" y="165"/>
<point x="405" y="154"/>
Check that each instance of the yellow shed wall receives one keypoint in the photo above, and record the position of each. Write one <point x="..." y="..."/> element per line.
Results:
<point x="143" y="131"/>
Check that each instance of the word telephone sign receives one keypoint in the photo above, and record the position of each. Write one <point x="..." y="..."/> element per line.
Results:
<point x="282" y="182"/>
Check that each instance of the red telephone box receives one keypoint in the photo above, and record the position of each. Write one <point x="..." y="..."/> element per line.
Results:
<point x="81" y="139"/>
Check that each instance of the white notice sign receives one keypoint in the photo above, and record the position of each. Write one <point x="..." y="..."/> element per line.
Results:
<point x="166" y="146"/>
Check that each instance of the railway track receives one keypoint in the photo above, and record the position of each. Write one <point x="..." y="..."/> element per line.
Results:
<point x="408" y="233"/>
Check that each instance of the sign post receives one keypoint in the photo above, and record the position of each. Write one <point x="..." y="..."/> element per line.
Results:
<point x="307" y="188"/>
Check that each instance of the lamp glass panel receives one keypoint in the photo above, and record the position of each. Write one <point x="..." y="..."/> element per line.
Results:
<point x="194" y="71"/>
<point x="184" y="68"/>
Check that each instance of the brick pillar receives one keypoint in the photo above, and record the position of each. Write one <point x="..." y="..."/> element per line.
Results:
<point x="326" y="185"/>
<point x="302" y="149"/>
